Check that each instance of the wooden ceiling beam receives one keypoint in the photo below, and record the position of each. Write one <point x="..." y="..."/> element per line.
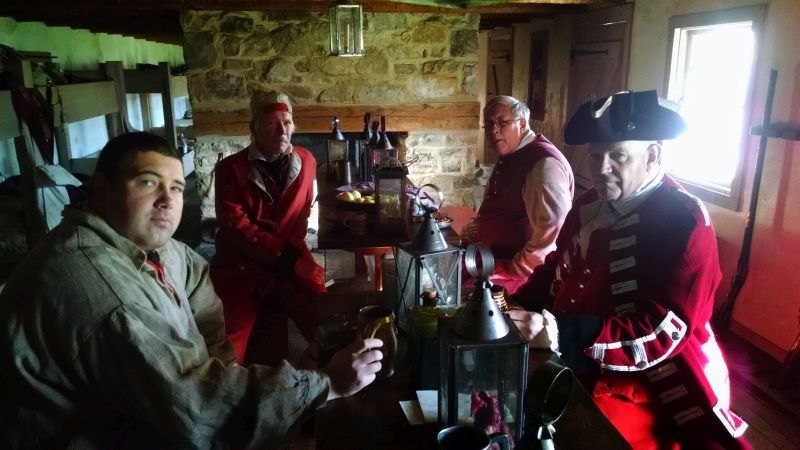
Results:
<point x="158" y="20"/>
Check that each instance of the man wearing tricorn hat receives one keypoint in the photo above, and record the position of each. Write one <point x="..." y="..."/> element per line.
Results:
<point x="264" y="195"/>
<point x="627" y="295"/>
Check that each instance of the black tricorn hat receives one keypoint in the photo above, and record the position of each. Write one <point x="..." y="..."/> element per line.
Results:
<point x="625" y="116"/>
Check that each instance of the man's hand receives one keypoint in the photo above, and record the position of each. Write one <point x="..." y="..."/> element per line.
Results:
<point x="354" y="367"/>
<point x="532" y="326"/>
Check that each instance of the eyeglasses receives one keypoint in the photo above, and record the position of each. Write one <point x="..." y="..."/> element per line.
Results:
<point x="501" y="124"/>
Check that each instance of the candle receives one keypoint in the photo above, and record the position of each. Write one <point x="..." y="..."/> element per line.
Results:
<point x="347" y="37"/>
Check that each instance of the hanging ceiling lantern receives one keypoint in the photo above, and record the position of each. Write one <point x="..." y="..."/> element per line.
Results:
<point x="347" y="33"/>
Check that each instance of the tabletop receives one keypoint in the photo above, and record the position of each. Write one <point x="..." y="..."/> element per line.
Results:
<point x="373" y="419"/>
<point x="333" y="234"/>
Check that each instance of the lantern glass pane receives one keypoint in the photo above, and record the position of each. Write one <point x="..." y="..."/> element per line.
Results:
<point x="482" y="382"/>
<point x="440" y="272"/>
<point x="488" y="385"/>
<point x="407" y="289"/>
<point x="337" y="151"/>
<point x="389" y="191"/>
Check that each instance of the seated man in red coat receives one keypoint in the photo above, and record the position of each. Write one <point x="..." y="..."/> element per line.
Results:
<point x="627" y="295"/>
<point x="264" y="195"/>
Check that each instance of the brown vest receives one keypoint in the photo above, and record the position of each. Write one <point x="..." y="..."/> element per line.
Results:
<point x="502" y="220"/>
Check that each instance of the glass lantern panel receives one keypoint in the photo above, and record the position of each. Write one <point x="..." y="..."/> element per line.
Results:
<point x="406" y="285"/>
<point x="389" y="191"/>
<point x="440" y="273"/>
<point x="487" y="382"/>
<point x="337" y="151"/>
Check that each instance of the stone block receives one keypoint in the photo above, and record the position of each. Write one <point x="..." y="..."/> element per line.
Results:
<point x="276" y="71"/>
<point x="199" y="50"/>
<point x="453" y="160"/>
<point x="341" y="92"/>
<point x="372" y="64"/>
<point x="259" y="45"/>
<point x="237" y="64"/>
<point x="404" y="69"/>
<point x="334" y="65"/>
<point x="235" y="24"/>
<point x="231" y="45"/>
<point x="464" y="42"/>
<point x="224" y="86"/>
<point x="433" y="87"/>
<point x="429" y="32"/>
<point x="380" y="92"/>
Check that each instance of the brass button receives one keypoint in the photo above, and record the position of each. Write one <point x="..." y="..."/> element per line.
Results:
<point x="676" y="335"/>
<point x="587" y="272"/>
<point x="580" y="286"/>
<point x="641" y="364"/>
<point x="572" y="300"/>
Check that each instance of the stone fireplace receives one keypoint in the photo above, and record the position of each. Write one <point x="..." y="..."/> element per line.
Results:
<point x="419" y="71"/>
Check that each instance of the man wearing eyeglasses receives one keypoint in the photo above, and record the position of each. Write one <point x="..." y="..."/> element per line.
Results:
<point x="527" y="197"/>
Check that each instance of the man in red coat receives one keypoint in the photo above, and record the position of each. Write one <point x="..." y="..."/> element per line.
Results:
<point x="264" y="195"/>
<point x="627" y="296"/>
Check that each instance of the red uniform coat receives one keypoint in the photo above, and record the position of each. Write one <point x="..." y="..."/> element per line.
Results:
<point x="254" y="230"/>
<point x="635" y="310"/>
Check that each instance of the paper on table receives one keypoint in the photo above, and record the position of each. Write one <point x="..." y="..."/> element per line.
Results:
<point x="412" y="412"/>
<point x="429" y="403"/>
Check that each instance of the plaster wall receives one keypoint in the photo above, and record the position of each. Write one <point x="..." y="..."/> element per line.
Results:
<point x="82" y="49"/>
<point x="77" y="50"/>
<point x="768" y="307"/>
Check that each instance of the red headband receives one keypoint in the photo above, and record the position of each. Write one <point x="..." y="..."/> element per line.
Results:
<point x="275" y="107"/>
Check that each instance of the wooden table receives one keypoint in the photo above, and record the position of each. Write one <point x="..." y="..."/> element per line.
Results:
<point x="333" y="235"/>
<point x="372" y="419"/>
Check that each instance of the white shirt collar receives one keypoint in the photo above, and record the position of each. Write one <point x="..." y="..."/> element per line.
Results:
<point x="623" y="207"/>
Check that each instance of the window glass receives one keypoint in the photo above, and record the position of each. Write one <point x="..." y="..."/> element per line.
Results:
<point x="712" y="57"/>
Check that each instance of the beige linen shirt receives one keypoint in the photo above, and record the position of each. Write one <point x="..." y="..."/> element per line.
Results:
<point x="97" y="352"/>
<point x="547" y="194"/>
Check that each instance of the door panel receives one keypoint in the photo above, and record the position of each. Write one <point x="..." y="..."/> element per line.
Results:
<point x="598" y="67"/>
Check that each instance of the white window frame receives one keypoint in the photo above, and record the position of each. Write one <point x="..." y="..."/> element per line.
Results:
<point x="755" y="15"/>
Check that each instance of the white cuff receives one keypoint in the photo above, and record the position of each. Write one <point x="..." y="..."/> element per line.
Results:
<point x="551" y="327"/>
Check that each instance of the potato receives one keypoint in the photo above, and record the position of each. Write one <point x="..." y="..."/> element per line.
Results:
<point x="346" y="196"/>
<point x="355" y="194"/>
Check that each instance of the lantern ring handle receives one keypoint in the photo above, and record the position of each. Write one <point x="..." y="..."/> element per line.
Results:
<point x="439" y="194"/>
<point x="486" y="266"/>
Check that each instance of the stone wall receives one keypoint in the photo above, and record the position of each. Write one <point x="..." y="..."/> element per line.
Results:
<point x="410" y="59"/>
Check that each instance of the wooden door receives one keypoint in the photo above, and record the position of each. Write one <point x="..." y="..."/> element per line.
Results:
<point x="598" y="67"/>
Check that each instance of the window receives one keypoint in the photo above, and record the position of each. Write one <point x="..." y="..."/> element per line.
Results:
<point x="710" y="69"/>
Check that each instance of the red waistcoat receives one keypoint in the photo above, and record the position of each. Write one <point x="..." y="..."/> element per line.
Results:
<point x="502" y="219"/>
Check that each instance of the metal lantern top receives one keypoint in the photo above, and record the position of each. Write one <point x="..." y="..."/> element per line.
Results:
<point x="481" y="319"/>
<point x="336" y="134"/>
<point x="429" y="238"/>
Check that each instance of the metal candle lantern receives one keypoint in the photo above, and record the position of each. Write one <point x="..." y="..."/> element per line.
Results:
<point x="336" y="149"/>
<point x="362" y="151"/>
<point x="371" y="163"/>
<point x="483" y="360"/>
<point x="347" y="31"/>
<point x="428" y="268"/>
<point x="390" y="196"/>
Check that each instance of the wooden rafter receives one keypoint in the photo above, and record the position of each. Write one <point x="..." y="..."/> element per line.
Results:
<point x="158" y="20"/>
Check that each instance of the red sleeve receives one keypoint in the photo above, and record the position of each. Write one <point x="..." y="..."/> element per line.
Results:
<point x="679" y="276"/>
